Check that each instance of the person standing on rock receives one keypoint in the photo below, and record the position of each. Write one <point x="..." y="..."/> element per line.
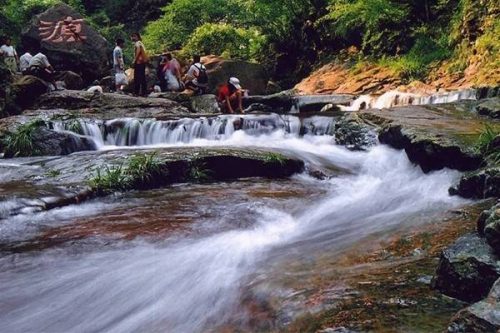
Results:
<point x="9" y="54"/>
<point x="172" y="72"/>
<point x="24" y="62"/>
<point x="230" y="96"/>
<point x="196" y="77"/>
<point x="119" y="66"/>
<point x="140" y="61"/>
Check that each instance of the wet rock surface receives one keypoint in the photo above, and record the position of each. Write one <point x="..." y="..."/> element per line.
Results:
<point x="468" y="269"/>
<point x="491" y="229"/>
<point x="353" y="133"/>
<point x="483" y="316"/>
<point x="480" y="184"/>
<point x="85" y="52"/>
<point x="27" y="89"/>
<point x="47" y="142"/>
<point x="181" y="165"/>
<point x="107" y="105"/>
<point x="489" y="107"/>
<point x="434" y="137"/>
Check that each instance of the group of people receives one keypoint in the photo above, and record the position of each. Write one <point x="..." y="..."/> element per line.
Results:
<point x="170" y="78"/>
<point x="27" y="64"/>
<point x="169" y="72"/>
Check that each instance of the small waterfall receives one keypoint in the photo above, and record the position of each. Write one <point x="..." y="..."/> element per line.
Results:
<point x="126" y="132"/>
<point x="395" y="98"/>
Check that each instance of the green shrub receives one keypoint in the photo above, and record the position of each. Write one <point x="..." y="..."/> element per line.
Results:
<point x="109" y="179"/>
<point x="484" y="143"/>
<point x="226" y="40"/>
<point x="20" y="143"/>
<point x="274" y="158"/>
<point x="198" y="172"/>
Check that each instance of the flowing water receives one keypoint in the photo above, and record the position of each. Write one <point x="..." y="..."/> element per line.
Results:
<point x="194" y="249"/>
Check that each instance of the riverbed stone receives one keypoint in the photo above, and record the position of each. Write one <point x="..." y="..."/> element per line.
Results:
<point x="205" y="104"/>
<point x="489" y="107"/>
<point x="467" y="269"/>
<point x="71" y="80"/>
<point x="483" y="316"/>
<point x="27" y="89"/>
<point x="492" y="228"/>
<point x="47" y="142"/>
<point x="480" y="184"/>
<point x="352" y="132"/>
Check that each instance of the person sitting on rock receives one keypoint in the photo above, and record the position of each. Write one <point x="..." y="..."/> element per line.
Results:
<point x="24" y="62"/>
<point x="119" y="66"/>
<point x="172" y="73"/>
<point x="230" y="96"/>
<point x="196" y="77"/>
<point x="40" y="67"/>
<point x="9" y="54"/>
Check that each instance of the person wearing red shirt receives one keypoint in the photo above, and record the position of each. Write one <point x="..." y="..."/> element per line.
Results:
<point x="230" y="96"/>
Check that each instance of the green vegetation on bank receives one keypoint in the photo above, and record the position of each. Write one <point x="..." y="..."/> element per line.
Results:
<point x="20" y="143"/>
<point x="292" y="37"/>
<point x="488" y="143"/>
<point x="140" y="171"/>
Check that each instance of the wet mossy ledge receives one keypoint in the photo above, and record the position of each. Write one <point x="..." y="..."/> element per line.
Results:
<point x="85" y="175"/>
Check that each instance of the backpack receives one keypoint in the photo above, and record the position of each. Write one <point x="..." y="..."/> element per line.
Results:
<point x="202" y="77"/>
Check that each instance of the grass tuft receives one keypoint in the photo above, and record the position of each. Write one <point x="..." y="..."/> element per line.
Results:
<point x="20" y="143"/>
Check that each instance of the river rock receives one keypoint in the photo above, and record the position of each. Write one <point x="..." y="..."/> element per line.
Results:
<point x="492" y="228"/>
<point x="481" y="184"/>
<point x="106" y="106"/>
<point x="205" y="104"/>
<point x="253" y="76"/>
<point x="47" y="142"/>
<point x="352" y="132"/>
<point x="489" y="107"/>
<point x="467" y="269"/>
<point x="71" y="80"/>
<point x="482" y="317"/>
<point x="69" y="42"/>
<point x="27" y="89"/>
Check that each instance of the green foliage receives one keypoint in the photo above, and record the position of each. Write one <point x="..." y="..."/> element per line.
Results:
<point x="140" y="172"/>
<point x="20" y="143"/>
<point x="226" y="40"/>
<point x="198" y="172"/>
<point x="274" y="158"/>
<point x="74" y="126"/>
<point x="182" y="17"/>
<point x="379" y="22"/>
<point x="485" y="143"/>
<point x="416" y="64"/>
<point x="53" y="173"/>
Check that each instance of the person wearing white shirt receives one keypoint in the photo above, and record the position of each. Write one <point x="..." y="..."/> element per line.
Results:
<point x="24" y="62"/>
<point x="40" y="67"/>
<point x="9" y="54"/>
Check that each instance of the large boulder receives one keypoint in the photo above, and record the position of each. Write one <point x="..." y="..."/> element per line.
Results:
<point x="467" y="269"/>
<point x="352" y="132"/>
<point x="204" y="104"/>
<point x="253" y="76"/>
<point x="483" y="316"/>
<point x="69" y="42"/>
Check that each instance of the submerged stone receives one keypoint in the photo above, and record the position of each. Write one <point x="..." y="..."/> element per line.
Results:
<point x="467" y="269"/>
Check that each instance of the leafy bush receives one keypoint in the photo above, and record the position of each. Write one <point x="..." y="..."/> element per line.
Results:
<point x="20" y="143"/>
<point x="378" y="22"/>
<point x="182" y="17"/>
<point x="140" y="172"/>
<point x="198" y="172"/>
<point x="485" y="143"/>
<point x="226" y="40"/>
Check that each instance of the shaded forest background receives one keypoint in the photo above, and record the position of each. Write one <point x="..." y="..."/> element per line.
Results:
<point x="292" y="37"/>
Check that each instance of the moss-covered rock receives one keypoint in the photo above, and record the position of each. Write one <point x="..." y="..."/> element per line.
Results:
<point x="353" y="133"/>
<point x="480" y="184"/>
<point x="480" y="317"/>
<point x="467" y="269"/>
<point x="489" y="107"/>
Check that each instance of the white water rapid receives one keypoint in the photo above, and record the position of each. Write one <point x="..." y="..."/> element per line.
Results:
<point x="193" y="284"/>
<point x="397" y="98"/>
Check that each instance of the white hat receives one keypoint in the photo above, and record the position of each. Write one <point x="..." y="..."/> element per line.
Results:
<point x="235" y="82"/>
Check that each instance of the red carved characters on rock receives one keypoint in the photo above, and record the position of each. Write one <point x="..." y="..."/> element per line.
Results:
<point x="66" y="31"/>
